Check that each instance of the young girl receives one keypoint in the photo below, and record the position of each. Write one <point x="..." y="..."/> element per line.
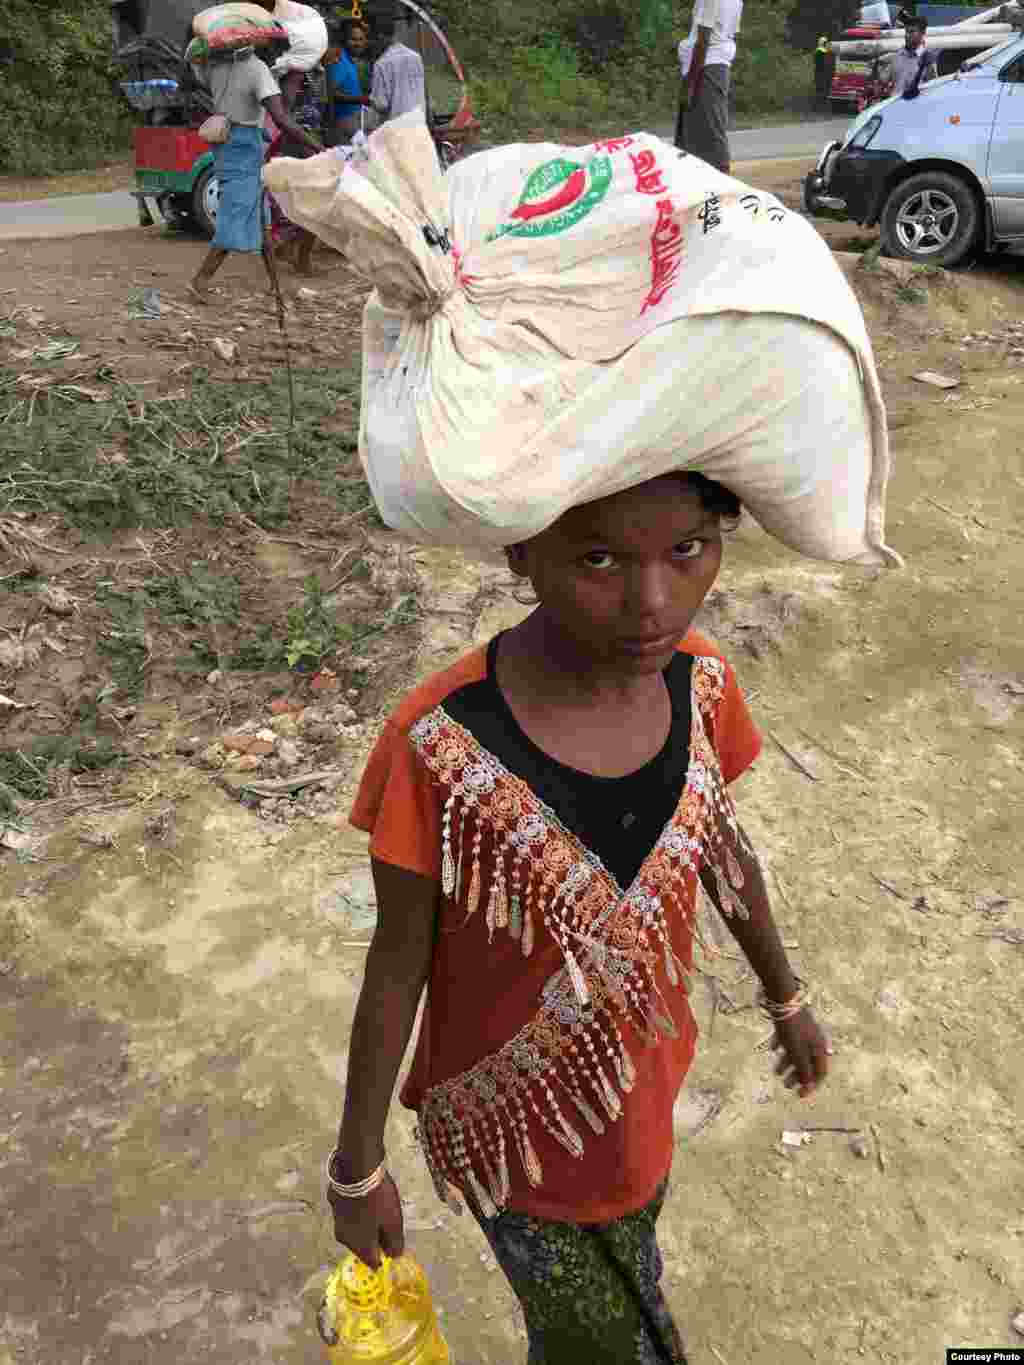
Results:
<point x="539" y="815"/>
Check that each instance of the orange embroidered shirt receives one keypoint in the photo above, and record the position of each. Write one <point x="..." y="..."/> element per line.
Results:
<point x="556" y="1032"/>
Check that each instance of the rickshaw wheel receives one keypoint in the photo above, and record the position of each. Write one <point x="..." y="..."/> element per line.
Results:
<point x="175" y="209"/>
<point x="205" y="198"/>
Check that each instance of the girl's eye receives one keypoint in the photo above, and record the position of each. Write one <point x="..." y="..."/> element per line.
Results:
<point x="689" y="549"/>
<point x="599" y="559"/>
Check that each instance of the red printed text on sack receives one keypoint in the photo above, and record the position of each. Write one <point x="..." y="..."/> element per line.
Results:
<point x="647" y="172"/>
<point x="666" y="253"/>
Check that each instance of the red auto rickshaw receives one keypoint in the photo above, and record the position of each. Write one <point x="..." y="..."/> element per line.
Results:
<point x="174" y="166"/>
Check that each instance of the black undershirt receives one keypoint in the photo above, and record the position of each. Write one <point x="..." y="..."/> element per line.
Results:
<point x="617" y="818"/>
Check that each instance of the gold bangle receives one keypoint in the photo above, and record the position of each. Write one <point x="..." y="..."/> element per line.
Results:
<point x="361" y="1188"/>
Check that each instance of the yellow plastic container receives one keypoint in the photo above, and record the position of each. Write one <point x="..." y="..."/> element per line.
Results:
<point x="383" y="1316"/>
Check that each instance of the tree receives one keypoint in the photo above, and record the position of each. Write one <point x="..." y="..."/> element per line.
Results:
<point x="809" y="19"/>
<point x="59" y="103"/>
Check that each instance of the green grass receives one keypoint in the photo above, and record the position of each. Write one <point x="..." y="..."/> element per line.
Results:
<point x="911" y="293"/>
<point x="195" y="601"/>
<point x="312" y="632"/>
<point x="218" y="453"/>
<point x="133" y="461"/>
<point x="28" y="772"/>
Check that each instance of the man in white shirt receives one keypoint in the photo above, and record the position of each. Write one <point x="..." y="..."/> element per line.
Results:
<point x="705" y="59"/>
<point x="399" y="82"/>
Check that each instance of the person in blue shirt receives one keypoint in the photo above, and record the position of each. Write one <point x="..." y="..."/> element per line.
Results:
<point x="343" y="82"/>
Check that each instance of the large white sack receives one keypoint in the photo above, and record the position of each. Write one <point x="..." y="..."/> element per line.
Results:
<point x="551" y="325"/>
<point x="308" y="33"/>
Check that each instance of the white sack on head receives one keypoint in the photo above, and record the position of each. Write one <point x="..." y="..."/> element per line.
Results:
<point x="551" y="325"/>
<point x="307" y="32"/>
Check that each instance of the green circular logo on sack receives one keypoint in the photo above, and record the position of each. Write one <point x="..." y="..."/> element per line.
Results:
<point x="557" y="196"/>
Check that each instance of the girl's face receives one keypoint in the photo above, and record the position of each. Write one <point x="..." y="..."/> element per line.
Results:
<point x="622" y="578"/>
<point x="358" y="41"/>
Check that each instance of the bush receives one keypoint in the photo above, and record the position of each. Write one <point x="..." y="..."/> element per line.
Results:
<point x="769" y="74"/>
<point x="542" y="85"/>
<point x="598" y="33"/>
<point x="606" y="66"/>
<point x="809" y="19"/>
<point x="60" y="108"/>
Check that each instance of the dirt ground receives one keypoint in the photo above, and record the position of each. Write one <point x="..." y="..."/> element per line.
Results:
<point x="178" y="968"/>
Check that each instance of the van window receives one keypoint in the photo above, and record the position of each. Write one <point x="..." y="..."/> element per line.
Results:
<point x="991" y="57"/>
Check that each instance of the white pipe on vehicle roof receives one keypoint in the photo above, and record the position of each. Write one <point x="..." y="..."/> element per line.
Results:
<point x="985" y="16"/>
<point x="955" y="42"/>
<point x="946" y="30"/>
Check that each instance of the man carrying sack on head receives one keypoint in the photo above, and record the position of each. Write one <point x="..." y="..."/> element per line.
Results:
<point x="705" y="59"/>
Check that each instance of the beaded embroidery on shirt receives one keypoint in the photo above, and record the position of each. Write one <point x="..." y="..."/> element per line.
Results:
<point x="570" y="1058"/>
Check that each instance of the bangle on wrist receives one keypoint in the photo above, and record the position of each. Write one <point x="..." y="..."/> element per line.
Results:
<point x="358" y="1189"/>
<point x="779" y="1011"/>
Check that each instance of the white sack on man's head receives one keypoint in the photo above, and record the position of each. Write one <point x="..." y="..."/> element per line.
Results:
<point x="552" y="325"/>
<point x="307" y="33"/>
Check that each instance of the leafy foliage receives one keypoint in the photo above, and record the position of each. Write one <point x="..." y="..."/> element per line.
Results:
<point x="536" y="67"/>
<point x="809" y="19"/>
<point x="60" y="108"/>
<point x="606" y="66"/>
<point x="769" y="73"/>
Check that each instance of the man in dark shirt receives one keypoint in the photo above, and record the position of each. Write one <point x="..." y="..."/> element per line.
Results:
<point x="909" y="69"/>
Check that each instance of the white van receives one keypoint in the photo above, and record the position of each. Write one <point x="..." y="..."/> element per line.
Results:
<point x="942" y="174"/>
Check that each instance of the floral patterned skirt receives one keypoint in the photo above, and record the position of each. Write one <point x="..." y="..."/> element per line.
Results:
<point x="589" y="1292"/>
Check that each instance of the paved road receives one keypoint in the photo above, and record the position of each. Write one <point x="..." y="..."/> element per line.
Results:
<point x="787" y="140"/>
<point x="73" y="214"/>
<point x="68" y="215"/>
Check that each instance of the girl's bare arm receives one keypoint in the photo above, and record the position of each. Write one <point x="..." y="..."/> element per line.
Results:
<point x="758" y="936"/>
<point x="397" y="967"/>
<point x="804" y="1049"/>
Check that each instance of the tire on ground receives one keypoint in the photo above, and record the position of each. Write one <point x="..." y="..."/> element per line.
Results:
<point x="205" y="220"/>
<point x="952" y="188"/>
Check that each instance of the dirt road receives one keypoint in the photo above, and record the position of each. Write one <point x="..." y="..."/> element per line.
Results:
<point x="178" y="969"/>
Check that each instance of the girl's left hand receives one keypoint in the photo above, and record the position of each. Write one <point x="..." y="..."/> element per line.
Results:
<point x="805" y="1052"/>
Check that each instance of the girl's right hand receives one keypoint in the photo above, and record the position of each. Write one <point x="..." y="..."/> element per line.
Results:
<point x="370" y="1225"/>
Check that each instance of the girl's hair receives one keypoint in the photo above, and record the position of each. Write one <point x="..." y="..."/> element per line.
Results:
<point x="715" y="498"/>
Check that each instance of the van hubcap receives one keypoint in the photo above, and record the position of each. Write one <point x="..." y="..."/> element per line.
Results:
<point x="927" y="223"/>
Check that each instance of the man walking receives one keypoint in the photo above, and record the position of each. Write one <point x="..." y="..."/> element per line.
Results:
<point x="909" y="69"/>
<point x="399" y="82"/>
<point x="705" y="59"/>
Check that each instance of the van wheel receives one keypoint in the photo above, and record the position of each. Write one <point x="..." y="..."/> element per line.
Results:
<point x="205" y="199"/>
<point x="931" y="219"/>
